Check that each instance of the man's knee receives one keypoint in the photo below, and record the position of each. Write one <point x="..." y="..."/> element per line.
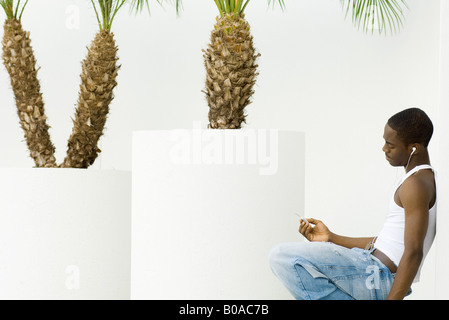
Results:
<point x="275" y="255"/>
<point x="284" y="254"/>
<point x="287" y="253"/>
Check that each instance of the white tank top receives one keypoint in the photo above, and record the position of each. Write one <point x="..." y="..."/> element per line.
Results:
<point x="391" y="237"/>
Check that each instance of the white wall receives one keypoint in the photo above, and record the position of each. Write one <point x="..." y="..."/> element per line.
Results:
<point x="317" y="74"/>
<point x="442" y="238"/>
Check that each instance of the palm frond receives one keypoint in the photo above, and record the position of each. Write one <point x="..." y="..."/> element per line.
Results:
<point x="109" y="8"/>
<point x="138" y="5"/>
<point x="376" y="14"/>
<point x="238" y="7"/>
<point x="12" y="12"/>
<point x="281" y="3"/>
<point x="178" y="4"/>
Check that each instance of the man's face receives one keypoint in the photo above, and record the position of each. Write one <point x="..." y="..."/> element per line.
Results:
<point x="395" y="151"/>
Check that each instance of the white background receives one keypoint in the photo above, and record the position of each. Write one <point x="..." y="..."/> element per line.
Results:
<point x="318" y="74"/>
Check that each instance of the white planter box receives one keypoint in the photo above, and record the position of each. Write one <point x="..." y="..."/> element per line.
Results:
<point x="207" y="210"/>
<point x="64" y="234"/>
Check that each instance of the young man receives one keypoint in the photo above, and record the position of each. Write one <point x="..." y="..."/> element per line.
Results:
<point x="331" y="266"/>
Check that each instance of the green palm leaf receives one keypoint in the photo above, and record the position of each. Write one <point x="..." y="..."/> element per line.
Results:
<point x="376" y="14"/>
<point x="238" y="6"/>
<point x="109" y="8"/>
<point x="12" y="12"/>
<point x="232" y="6"/>
<point x="105" y="10"/>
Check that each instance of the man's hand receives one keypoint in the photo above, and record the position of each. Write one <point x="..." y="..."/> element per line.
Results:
<point x="320" y="232"/>
<point x="317" y="233"/>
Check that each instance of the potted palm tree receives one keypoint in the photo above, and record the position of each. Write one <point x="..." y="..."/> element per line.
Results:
<point x="18" y="58"/>
<point x="64" y="233"/>
<point x="98" y="80"/>
<point x="231" y="65"/>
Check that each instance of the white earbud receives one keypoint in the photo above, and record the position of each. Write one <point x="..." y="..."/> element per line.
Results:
<point x="413" y="151"/>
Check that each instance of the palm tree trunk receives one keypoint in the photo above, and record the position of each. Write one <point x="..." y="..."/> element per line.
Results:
<point x="99" y="71"/>
<point x="19" y="60"/>
<point x="230" y="62"/>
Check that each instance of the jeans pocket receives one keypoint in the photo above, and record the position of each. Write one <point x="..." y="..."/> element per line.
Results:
<point x="355" y="285"/>
<point x="313" y="271"/>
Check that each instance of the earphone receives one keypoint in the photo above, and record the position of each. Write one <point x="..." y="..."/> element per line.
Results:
<point x="413" y="151"/>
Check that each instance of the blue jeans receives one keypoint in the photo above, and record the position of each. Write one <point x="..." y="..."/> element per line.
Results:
<point x="326" y="271"/>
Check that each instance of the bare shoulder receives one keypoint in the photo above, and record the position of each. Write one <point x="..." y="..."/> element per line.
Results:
<point x="419" y="187"/>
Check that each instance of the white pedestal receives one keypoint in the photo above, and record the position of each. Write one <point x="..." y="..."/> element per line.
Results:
<point x="65" y="234"/>
<point x="207" y="209"/>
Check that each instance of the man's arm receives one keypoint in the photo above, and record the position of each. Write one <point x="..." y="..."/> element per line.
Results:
<point x="320" y="232"/>
<point x="350" y="242"/>
<point x="415" y="197"/>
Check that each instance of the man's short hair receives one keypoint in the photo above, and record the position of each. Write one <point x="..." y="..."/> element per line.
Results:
<point x="412" y="126"/>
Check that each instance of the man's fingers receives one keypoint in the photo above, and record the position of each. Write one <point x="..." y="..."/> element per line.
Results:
<point x="305" y="228"/>
<point x="312" y="220"/>
<point x="302" y="226"/>
<point x="308" y="230"/>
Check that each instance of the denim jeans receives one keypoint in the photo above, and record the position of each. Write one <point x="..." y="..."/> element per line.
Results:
<point x="326" y="271"/>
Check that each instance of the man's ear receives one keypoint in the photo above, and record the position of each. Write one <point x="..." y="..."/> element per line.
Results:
<point x="414" y="148"/>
